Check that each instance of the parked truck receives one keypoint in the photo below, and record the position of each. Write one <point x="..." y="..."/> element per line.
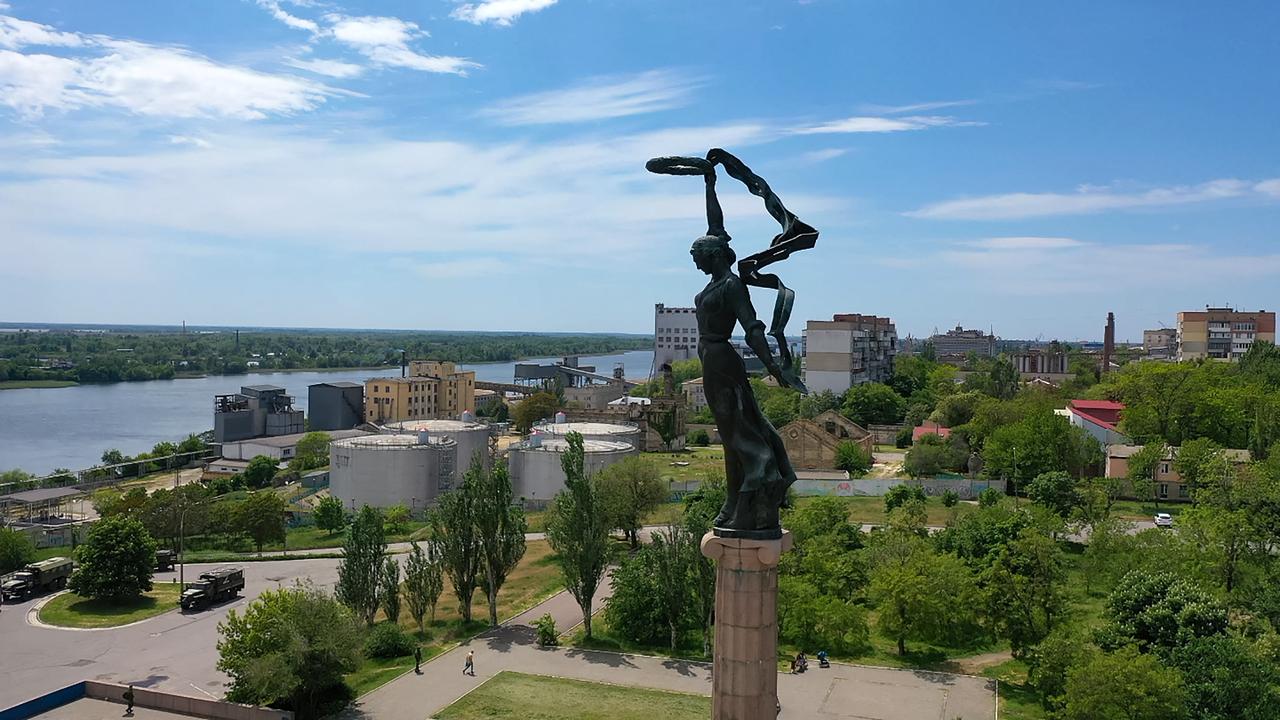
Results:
<point x="165" y="560"/>
<point x="36" y="578"/>
<point x="212" y="587"/>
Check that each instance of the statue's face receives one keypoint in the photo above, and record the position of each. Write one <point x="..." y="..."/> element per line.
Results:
<point x="704" y="257"/>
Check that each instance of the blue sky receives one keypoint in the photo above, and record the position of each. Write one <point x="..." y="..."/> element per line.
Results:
<point x="480" y="165"/>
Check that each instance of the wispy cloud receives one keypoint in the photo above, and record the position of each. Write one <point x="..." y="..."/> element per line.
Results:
<point x="293" y="21"/>
<point x="328" y="68"/>
<point x="598" y="99"/>
<point x="823" y="155"/>
<point x="385" y="41"/>
<point x="915" y="107"/>
<point x="883" y="124"/>
<point x="498" y="12"/>
<point x="16" y="33"/>
<point x="1025" y="243"/>
<point x="1090" y="199"/>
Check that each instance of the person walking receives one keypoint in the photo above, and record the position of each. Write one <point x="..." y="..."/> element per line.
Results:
<point x="128" y="699"/>
<point x="417" y="660"/>
<point x="470" y="667"/>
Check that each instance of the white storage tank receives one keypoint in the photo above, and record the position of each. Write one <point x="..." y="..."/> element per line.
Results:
<point x="536" y="473"/>
<point x="386" y="470"/>
<point x="613" y="432"/>
<point x="472" y="438"/>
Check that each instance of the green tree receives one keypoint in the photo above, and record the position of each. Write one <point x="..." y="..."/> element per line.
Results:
<point x="537" y="406"/>
<point x="500" y="526"/>
<point x="396" y="518"/>
<point x="423" y="583"/>
<point x="389" y="589"/>
<point x="329" y="514"/>
<point x="115" y="561"/>
<point x="932" y="455"/>
<point x="629" y="491"/>
<point x="312" y="452"/>
<point x="1142" y="469"/>
<point x="956" y="410"/>
<point x="950" y="498"/>
<point x="1226" y="679"/>
<point x="1124" y="685"/>
<point x="1055" y="491"/>
<point x="16" y="550"/>
<point x="675" y="553"/>
<point x="453" y="532"/>
<point x="260" y="472"/>
<point x="808" y="619"/>
<point x="578" y="531"/>
<point x="900" y="494"/>
<point x="814" y="404"/>
<point x="291" y="648"/>
<point x="873" y="403"/>
<point x="1024" y="588"/>
<point x="923" y="596"/>
<point x="1162" y="610"/>
<point x="361" y="565"/>
<point x="1049" y="662"/>
<point x="851" y="458"/>
<point x="1041" y="442"/>
<point x="261" y="517"/>
<point x="699" y="511"/>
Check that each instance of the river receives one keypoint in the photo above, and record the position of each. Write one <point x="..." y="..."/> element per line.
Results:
<point x="46" y="428"/>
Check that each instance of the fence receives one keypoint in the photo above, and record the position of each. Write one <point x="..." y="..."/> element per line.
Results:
<point x="875" y="487"/>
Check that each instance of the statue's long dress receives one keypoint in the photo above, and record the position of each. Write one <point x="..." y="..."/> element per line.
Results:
<point x="754" y="455"/>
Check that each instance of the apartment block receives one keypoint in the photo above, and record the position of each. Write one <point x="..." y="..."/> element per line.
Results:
<point x="1222" y="333"/>
<point x="963" y="342"/>
<point x="432" y="391"/>
<point x="1161" y="343"/>
<point x="675" y="334"/>
<point x="848" y="350"/>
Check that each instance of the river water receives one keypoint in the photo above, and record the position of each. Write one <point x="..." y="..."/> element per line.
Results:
<point x="45" y="428"/>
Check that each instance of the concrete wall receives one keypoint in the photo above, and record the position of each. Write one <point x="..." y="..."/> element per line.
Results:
<point x="335" y="408"/>
<point x="966" y="489"/>
<point x="885" y="434"/>
<point x="195" y="706"/>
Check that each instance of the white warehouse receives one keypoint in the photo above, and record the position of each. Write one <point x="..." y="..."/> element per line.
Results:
<point x="387" y="470"/>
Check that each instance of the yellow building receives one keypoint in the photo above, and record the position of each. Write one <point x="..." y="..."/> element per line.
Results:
<point x="433" y="391"/>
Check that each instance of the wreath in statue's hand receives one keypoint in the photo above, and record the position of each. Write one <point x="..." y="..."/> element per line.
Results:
<point x="676" y="165"/>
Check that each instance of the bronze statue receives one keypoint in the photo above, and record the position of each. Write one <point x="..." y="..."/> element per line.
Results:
<point x="757" y="469"/>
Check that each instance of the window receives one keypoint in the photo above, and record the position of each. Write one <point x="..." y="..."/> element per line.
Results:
<point x="1182" y="492"/>
<point x="1164" y="490"/>
<point x="1164" y="468"/>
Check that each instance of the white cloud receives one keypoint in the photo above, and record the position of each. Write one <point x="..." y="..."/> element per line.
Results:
<point x="189" y="140"/>
<point x="328" y="68"/>
<point x="1269" y="187"/>
<point x="1025" y="243"/>
<point x="293" y="21"/>
<point x="385" y="41"/>
<point x="498" y="12"/>
<point x="823" y="155"/>
<point x="15" y="33"/>
<point x="598" y="99"/>
<point x="1087" y="199"/>
<point x="141" y="78"/>
<point x="879" y="124"/>
<point x="914" y="108"/>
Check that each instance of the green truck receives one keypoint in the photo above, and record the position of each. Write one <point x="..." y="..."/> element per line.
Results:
<point x="36" y="578"/>
<point x="212" y="587"/>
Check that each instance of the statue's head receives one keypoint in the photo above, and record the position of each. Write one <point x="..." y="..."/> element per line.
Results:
<point x="711" y="252"/>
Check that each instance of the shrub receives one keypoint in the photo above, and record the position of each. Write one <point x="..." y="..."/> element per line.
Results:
<point x="989" y="497"/>
<point x="851" y="458"/>
<point x="548" y="636"/>
<point x="950" y="498"/>
<point x="901" y="494"/>
<point x="903" y="438"/>
<point x="699" y="437"/>
<point x="387" y="640"/>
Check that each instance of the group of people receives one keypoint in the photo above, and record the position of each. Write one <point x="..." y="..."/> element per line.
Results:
<point x="800" y="662"/>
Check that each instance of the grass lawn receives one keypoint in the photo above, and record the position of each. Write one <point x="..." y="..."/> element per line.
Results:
<point x="533" y="697"/>
<point x="1145" y="509"/>
<point x="20" y="384"/>
<point x="870" y="510"/>
<point x="375" y="673"/>
<point x="603" y="638"/>
<point x="1017" y="700"/>
<point x="664" y="514"/>
<point x="71" y="610"/>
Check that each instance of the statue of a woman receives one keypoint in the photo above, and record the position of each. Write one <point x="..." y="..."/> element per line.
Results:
<point x="757" y="469"/>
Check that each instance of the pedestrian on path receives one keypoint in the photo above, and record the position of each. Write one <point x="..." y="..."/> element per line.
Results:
<point x="417" y="660"/>
<point x="128" y="699"/>
<point x="470" y="667"/>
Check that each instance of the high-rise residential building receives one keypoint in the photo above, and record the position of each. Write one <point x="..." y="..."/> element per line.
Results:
<point x="1160" y="344"/>
<point x="963" y="342"/>
<point x="1222" y="333"/>
<point x="675" y="334"/>
<point x="432" y="391"/>
<point x="848" y="350"/>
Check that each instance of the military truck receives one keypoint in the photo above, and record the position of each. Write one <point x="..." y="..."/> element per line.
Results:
<point x="165" y="560"/>
<point x="212" y="587"/>
<point x="38" y="577"/>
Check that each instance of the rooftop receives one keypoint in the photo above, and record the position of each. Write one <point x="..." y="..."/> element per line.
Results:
<point x="39" y="495"/>
<point x="585" y="428"/>
<point x="436" y="426"/>
<point x="401" y="440"/>
<point x="556" y="444"/>
<point x="338" y="384"/>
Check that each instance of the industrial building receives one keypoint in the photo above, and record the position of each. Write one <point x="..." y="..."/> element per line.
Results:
<point x="848" y="350"/>
<point x="628" y="433"/>
<point x="472" y="437"/>
<point x="536" y="472"/>
<point x="281" y="447"/>
<point x="1222" y="333"/>
<point x="386" y="470"/>
<point x="431" y="391"/>
<point x="335" y="405"/>
<point x="675" y="334"/>
<point x="582" y="386"/>
<point x="1049" y="365"/>
<point x="255" y="411"/>
<point x="963" y="342"/>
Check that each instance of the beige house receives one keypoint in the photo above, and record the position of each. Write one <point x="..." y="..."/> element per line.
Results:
<point x="811" y="444"/>
<point x="433" y="391"/>
<point x="1168" y="484"/>
<point x="695" y="395"/>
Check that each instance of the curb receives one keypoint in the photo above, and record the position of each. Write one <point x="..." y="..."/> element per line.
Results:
<point x="33" y="617"/>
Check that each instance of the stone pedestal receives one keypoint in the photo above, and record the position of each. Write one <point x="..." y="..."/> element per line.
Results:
<point x="745" y="671"/>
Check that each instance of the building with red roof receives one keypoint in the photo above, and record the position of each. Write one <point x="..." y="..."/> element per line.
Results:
<point x="1099" y="418"/>
<point x="929" y="428"/>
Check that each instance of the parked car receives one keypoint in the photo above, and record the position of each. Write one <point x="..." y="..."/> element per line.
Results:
<point x="1164" y="520"/>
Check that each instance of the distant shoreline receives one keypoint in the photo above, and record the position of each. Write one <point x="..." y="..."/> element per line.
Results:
<point x="36" y="384"/>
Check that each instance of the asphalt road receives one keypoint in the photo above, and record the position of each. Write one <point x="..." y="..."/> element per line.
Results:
<point x="175" y="651"/>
